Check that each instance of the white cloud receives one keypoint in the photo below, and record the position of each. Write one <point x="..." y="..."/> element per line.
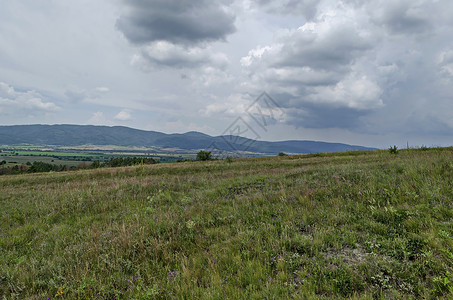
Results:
<point x="353" y="92"/>
<point x="12" y="101"/>
<point x="165" y="54"/>
<point x="98" y="118"/>
<point x="233" y="106"/>
<point x="81" y="95"/>
<point x="103" y="89"/>
<point x="124" y="115"/>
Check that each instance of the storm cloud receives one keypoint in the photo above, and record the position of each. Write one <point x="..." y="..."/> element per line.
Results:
<point x="179" y="22"/>
<point x="344" y="67"/>
<point x="176" y="34"/>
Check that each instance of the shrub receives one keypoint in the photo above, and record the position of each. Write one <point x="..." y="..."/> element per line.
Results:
<point x="203" y="155"/>
<point x="96" y="164"/>
<point x="393" y="150"/>
<point x="128" y="161"/>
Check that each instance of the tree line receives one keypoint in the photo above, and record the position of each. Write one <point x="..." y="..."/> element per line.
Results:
<point x="43" y="167"/>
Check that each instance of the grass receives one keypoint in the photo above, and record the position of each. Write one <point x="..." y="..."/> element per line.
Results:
<point x="366" y="225"/>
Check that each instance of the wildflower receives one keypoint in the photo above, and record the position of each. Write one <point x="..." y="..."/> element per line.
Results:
<point x="59" y="292"/>
<point x="172" y="274"/>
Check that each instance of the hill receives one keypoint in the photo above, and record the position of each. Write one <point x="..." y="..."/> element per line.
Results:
<point x="361" y="225"/>
<point x="76" y="135"/>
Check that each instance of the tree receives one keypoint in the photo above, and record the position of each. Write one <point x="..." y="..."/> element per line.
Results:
<point x="203" y="155"/>
<point x="96" y="164"/>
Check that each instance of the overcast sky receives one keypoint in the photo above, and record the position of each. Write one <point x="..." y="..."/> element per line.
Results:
<point x="367" y="72"/>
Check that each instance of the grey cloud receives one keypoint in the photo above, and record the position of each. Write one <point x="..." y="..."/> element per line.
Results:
<point x="323" y="51"/>
<point x="403" y="17"/>
<point x="179" y="22"/>
<point x="364" y="66"/>
<point x="324" y="116"/>
<point x="329" y="45"/>
<point x="177" y="34"/>
<point x="316" y="66"/>
<point x="427" y="124"/>
<point x="307" y="8"/>
<point x="75" y="96"/>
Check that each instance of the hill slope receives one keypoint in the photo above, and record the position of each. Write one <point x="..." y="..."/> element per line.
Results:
<point x="75" y="135"/>
<point x="373" y="226"/>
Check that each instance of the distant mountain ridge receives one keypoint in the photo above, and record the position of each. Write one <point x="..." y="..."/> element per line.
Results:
<point x="77" y="135"/>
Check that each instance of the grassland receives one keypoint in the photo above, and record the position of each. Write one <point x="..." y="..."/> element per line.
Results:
<point x="366" y="225"/>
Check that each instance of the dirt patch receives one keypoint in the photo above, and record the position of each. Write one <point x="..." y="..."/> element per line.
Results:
<point x="350" y="256"/>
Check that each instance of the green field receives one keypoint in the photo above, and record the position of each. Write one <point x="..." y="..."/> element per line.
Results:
<point x="53" y="153"/>
<point x="20" y="156"/>
<point x="16" y="155"/>
<point x="365" y="225"/>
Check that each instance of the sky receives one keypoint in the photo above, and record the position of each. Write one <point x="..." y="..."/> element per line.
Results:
<point x="365" y="72"/>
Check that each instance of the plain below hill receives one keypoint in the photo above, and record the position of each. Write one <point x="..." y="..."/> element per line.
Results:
<point x="78" y="135"/>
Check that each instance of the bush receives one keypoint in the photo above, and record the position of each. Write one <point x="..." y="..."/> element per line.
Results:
<point x="282" y="154"/>
<point x="41" y="167"/>
<point x="96" y="164"/>
<point x="393" y="150"/>
<point x="204" y="155"/>
<point x="128" y="161"/>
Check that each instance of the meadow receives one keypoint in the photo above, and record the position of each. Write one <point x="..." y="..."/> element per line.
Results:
<point x="361" y="225"/>
<point x="81" y="157"/>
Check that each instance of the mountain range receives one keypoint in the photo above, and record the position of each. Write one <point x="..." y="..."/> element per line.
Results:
<point x="77" y="135"/>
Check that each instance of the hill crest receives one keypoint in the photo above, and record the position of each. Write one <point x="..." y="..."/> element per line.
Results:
<point x="77" y="135"/>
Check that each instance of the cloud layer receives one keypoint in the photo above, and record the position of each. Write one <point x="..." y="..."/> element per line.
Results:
<point x="371" y="72"/>
<point x="353" y="59"/>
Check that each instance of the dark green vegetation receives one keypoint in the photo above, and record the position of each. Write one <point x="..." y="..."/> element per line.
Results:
<point x="204" y="155"/>
<point x="18" y="159"/>
<point x="348" y="225"/>
<point x="42" y="167"/>
<point x="76" y="135"/>
<point x="393" y="150"/>
<point x="125" y="162"/>
<point x="12" y="156"/>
